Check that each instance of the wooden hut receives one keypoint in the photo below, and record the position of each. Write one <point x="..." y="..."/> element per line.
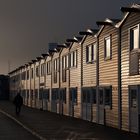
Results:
<point x="55" y="104"/>
<point x="130" y="67"/>
<point x="108" y="89"/>
<point x="88" y="75"/>
<point x="64" y="78"/>
<point x="75" y="77"/>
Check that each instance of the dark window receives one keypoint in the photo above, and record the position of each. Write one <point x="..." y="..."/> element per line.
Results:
<point x="37" y="71"/>
<point x="108" y="97"/>
<point x="32" y="73"/>
<point x="46" y="94"/>
<point x="91" y="53"/>
<point x="73" y="95"/>
<point x="133" y="98"/>
<point x="27" y="74"/>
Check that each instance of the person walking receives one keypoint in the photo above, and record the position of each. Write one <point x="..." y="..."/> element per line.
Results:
<point x="18" y="102"/>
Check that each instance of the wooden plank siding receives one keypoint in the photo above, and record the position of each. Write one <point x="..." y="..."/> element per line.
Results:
<point x="48" y="83"/>
<point x="33" y="85"/>
<point x="37" y="82"/>
<point x="56" y="85"/>
<point x="89" y="72"/>
<point x="64" y="52"/>
<point x="108" y="72"/>
<point x="132" y="20"/>
<point x="75" y="78"/>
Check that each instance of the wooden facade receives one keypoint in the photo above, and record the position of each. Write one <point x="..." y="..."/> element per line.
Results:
<point x="88" y="81"/>
<point x="130" y="79"/>
<point x="108" y="75"/>
<point x="96" y="78"/>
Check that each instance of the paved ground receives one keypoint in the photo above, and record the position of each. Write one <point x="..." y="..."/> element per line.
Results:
<point x="53" y="126"/>
<point x="9" y="130"/>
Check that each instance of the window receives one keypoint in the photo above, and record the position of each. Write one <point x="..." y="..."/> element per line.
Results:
<point x="134" y="38"/>
<point x="105" y="96"/>
<point x="73" y="59"/>
<point x="43" y="69"/>
<point x="107" y="50"/>
<point x="67" y="61"/>
<point x="23" y="75"/>
<point x="40" y="94"/>
<point x="64" y="61"/>
<point x="73" y="95"/>
<point x="62" y="95"/>
<point x="55" y="70"/>
<point x="46" y="94"/>
<point x="27" y="74"/>
<point x="32" y="73"/>
<point x="91" y="53"/>
<point x="108" y="97"/>
<point x="37" y="71"/>
<point x="133" y="98"/>
<point x="89" y="95"/>
<point x="48" y="67"/>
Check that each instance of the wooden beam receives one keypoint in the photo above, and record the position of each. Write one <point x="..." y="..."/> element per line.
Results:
<point x="103" y="23"/>
<point x="129" y="9"/>
<point x="72" y="40"/>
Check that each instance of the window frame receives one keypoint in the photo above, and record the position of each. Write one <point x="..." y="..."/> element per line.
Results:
<point x="92" y="54"/>
<point x="105" y="47"/>
<point x="130" y="37"/>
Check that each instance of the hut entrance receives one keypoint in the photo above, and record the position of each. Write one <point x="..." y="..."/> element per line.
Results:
<point x="54" y="100"/>
<point x="134" y="108"/>
<point x="101" y="106"/>
<point x="62" y="100"/>
<point x="45" y="100"/>
<point x="87" y="104"/>
<point x="73" y="100"/>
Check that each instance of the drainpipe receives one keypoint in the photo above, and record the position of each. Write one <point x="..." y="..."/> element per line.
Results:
<point x="81" y="74"/>
<point x="97" y="82"/>
<point x="119" y="81"/>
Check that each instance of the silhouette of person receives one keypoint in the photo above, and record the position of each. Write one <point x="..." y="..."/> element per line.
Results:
<point x="18" y="102"/>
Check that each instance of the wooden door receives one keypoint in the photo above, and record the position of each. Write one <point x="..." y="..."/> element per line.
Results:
<point x="86" y="104"/>
<point x="101" y="106"/>
<point x="134" y="108"/>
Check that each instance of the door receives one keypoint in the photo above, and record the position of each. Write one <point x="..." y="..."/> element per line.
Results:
<point x="87" y="104"/>
<point x="72" y="100"/>
<point x="101" y="106"/>
<point x="134" y="108"/>
<point x="54" y="100"/>
<point x="62" y="100"/>
<point x="46" y="96"/>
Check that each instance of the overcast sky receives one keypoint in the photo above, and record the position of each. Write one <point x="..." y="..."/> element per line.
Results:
<point x="27" y="26"/>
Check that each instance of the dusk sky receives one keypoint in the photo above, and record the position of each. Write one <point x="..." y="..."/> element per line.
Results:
<point x="27" y="26"/>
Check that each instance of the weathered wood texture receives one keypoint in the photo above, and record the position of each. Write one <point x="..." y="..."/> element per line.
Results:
<point x="89" y="70"/>
<point x="108" y="72"/>
<point x="132" y="20"/>
<point x="75" y="78"/>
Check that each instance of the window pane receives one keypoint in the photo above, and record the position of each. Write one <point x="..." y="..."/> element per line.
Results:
<point x="107" y="47"/>
<point x="135" y="38"/>
<point x="94" y="51"/>
<point x="133" y="98"/>
<point x="108" y="96"/>
<point x="90" y="53"/>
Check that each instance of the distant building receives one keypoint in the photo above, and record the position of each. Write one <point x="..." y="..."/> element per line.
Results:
<point x="4" y="87"/>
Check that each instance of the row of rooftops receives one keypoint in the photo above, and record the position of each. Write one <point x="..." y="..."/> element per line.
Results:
<point x="89" y="32"/>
